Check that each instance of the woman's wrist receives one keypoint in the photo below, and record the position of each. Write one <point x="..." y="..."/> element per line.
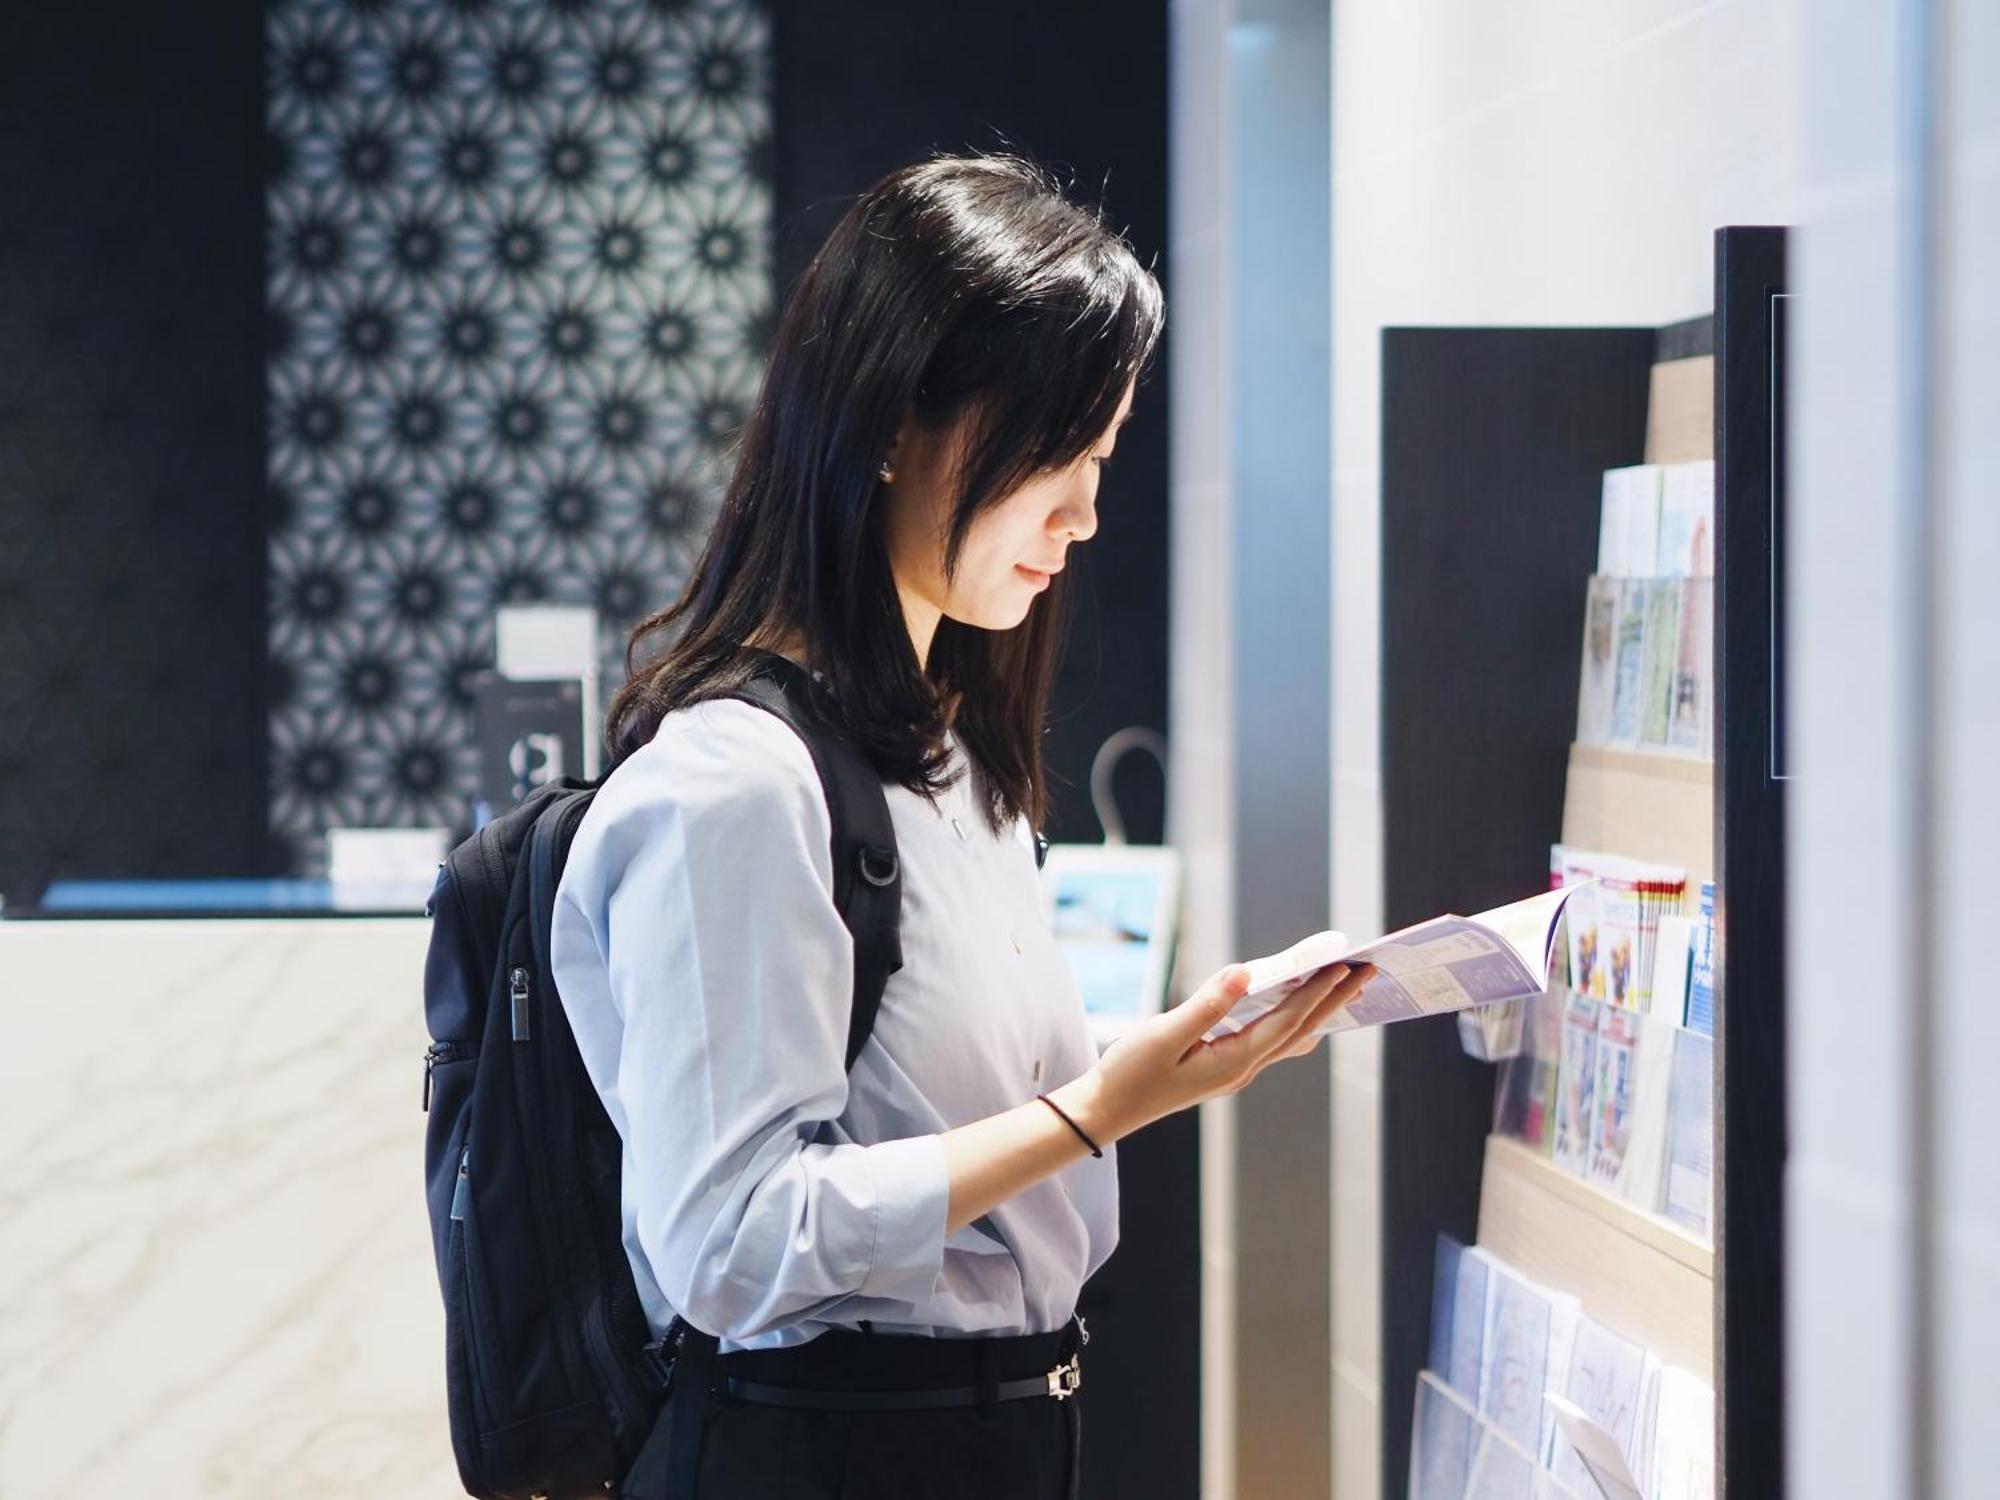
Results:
<point x="1084" y="1100"/>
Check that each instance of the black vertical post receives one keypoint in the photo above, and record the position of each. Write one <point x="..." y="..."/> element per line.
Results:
<point x="1750" y="868"/>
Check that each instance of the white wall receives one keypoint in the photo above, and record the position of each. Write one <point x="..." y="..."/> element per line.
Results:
<point x="1537" y="162"/>
<point x="1200" y="818"/>
<point x="1893" y="1191"/>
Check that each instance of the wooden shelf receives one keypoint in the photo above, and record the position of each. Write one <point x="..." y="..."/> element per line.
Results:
<point x="1680" y="411"/>
<point x="1645" y="805"/>
<point x="1640" y="1275"/>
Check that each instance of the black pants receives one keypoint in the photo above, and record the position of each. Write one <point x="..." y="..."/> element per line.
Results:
<point x="1026" y="1449"/>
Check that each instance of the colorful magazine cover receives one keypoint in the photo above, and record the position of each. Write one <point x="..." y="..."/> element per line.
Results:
<point x="1630" y="898"/>
<point x="1580" y="923"/>
<point x="1618" y="932"/>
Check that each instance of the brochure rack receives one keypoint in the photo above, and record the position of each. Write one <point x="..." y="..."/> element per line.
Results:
<point x="1494" y="444"/>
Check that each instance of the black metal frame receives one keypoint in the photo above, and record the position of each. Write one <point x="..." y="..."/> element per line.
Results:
<point x="1749" y="861"/>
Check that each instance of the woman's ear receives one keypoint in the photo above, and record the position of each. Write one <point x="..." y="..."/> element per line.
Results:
<point x="909" y="443"/>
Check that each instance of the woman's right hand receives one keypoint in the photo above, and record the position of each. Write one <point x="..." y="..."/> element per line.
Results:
<point x="1162" y="1065"/>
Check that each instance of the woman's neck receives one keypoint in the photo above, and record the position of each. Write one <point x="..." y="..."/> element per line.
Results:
<point x="787" y="643"/>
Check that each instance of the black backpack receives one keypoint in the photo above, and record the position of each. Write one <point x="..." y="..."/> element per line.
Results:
<point x="553" y="1378"/>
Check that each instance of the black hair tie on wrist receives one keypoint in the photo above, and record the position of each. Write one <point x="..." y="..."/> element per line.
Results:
<point x="1094" y="1149"/>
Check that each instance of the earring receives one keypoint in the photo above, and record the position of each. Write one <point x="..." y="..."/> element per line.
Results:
<point x="884" y="472"/>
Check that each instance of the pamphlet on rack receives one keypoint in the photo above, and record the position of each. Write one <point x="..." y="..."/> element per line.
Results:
<point x="1432" y="969"/>
<point x="1688" y="1183"/>
<point x="1612" y="1382"/>
<point x="1560" y="1406"/>
<point x="1595" y="1451"/>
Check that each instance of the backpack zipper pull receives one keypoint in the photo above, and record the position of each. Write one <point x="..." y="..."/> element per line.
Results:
<point x="464" y="1185"/>
<point x="517" y="994"/>
<point x="433" y="1055"/>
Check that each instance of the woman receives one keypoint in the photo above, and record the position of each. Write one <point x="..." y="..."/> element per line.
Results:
<point x="945" y="385"/>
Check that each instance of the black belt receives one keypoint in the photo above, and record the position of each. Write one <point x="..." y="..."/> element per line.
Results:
<point x="1061" y="1382"/>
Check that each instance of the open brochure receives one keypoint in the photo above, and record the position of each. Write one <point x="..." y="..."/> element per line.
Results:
<point x="1449" y="963"/>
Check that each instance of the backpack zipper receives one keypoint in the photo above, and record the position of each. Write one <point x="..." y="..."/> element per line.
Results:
<point x="482" y="1389"/>
<point x="441" y="1052"/>
<point x="517" y="996"/>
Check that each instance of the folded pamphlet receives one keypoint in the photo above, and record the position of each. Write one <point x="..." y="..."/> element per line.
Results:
<point x="1447" y="964"/>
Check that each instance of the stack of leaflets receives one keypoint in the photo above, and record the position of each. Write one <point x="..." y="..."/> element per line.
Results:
<point x="1526" y="1395"/>
<point x="1619" y="1099"/>
<point x="1647" y="677"/>
<point x="1611" y="1075"/>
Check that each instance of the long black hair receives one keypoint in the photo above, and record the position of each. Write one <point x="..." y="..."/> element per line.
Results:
<point x="969" y="291"/>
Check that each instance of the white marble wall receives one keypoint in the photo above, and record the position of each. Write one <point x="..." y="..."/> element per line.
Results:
<point x="215" y="1266"/>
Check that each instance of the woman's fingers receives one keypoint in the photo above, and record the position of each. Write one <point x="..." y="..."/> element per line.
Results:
<point x="1344" y="993"/>
<point x="1271" y="1031"/>
<point x="1313" y="996"/>
<point x="1212" y="1002"/>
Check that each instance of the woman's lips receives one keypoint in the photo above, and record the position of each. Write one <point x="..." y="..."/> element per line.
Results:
<point x="1039" y="579"/>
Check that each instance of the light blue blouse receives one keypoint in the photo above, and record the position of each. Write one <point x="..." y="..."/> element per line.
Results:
<point x="768" y="1194"/>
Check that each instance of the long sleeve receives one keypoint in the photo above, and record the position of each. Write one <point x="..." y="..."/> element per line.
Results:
<point x="731" y="972"/>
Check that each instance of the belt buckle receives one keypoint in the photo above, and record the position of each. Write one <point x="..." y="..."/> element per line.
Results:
<point x="662" y="1355"/>
<point x="1065" y="1379"/>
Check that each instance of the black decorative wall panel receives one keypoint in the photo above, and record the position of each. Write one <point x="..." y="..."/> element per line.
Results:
<point x="131" y="451"/>
<point x="519" y="292"/>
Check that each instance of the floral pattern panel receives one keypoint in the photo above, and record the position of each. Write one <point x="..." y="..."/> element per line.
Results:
<point x="519" y="290"/>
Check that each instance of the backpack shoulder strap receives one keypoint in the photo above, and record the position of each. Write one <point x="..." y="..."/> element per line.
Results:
<point x="867" y="875"/>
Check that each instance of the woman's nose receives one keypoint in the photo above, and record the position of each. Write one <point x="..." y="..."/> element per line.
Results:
<point x="1080" y="521"/>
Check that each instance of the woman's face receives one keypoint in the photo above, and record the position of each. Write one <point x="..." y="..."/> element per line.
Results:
<point x="1032" y="528"/>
